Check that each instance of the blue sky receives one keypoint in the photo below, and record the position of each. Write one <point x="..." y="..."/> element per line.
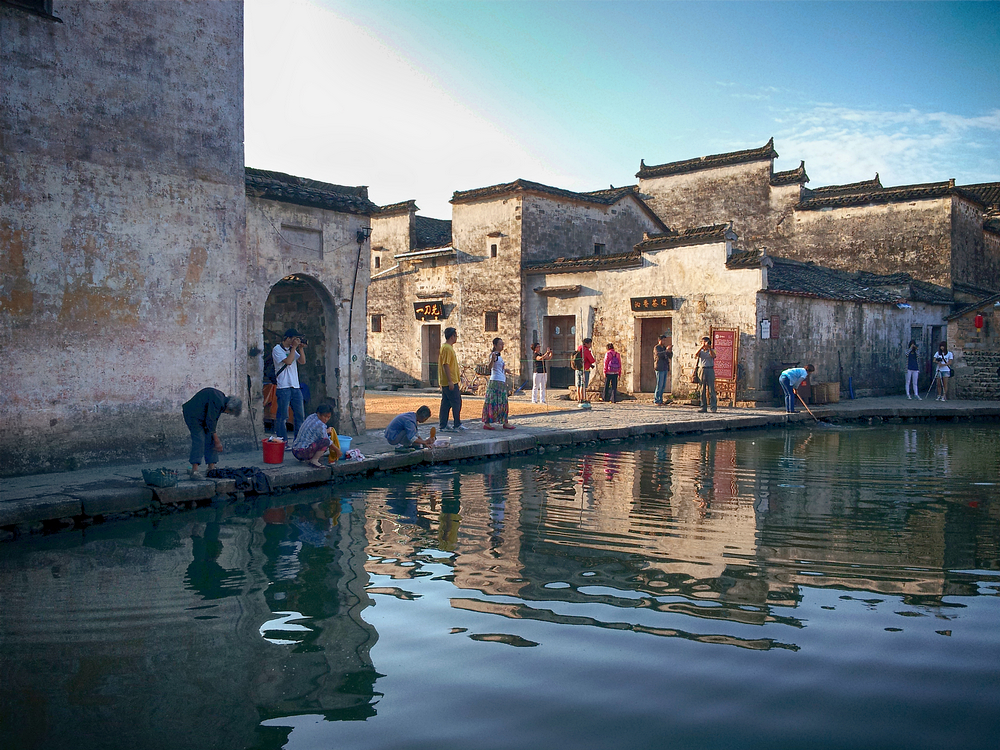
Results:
<point x="419" y="99"/>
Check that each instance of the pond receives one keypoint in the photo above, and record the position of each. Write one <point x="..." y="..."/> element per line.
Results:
<point x="828" y="588"/>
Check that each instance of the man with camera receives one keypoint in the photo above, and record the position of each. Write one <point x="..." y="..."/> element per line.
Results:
<point x="287" y="356"/>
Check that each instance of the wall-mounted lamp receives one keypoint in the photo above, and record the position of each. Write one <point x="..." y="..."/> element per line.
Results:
<point x="363" y="234"/>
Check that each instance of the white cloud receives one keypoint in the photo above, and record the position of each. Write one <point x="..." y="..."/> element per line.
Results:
<point x="326" y="100"/>
<point x="842" y="145"/>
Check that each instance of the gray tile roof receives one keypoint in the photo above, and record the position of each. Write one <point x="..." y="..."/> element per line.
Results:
<point x="431" y="233"/>
<point x="695" y="236"/>
<point x="852" y="188"/>
<point x="764" y="153"/>
<point x="630" y="259"/>
<point x="795" y="176"/>
<point x="603" y="197"/>
<point x="403" y="207"/>
<point x="301" y="191"/>
<point x="793" y="277"/>
<point x="987" y="193"/>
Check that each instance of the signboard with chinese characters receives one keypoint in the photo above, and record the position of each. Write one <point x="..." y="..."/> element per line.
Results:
<point x="649" y="304"/>
<point x="726" y="342"/>
<point x="429" y="310"/>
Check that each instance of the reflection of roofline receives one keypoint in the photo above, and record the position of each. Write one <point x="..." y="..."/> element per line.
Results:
<point x="763" y="153"/>
<point x="432" y="252"/>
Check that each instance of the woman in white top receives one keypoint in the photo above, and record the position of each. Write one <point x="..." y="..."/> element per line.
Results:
<point x="943" y="359"/>
<point x="495" y="408"/>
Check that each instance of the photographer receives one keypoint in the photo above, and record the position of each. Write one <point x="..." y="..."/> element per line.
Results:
<point x="287" y="356"/>
<point x="912" y="370"/>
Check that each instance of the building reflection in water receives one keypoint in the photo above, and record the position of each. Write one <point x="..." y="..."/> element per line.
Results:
<point x="232" y="625"/>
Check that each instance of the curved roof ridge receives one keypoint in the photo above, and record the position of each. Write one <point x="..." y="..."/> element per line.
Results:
<point x="761" y="153"/>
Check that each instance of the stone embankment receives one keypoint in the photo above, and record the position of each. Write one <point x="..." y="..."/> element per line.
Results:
<point x="53" y="502"/>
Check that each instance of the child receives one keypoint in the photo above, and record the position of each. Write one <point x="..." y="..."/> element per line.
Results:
<point x="402" y="430"/>
<point x="313" y="439"/>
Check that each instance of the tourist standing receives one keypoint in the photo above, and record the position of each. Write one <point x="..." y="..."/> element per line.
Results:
<point x="495" y="407"/>
<point x="583" y="363"/>
<point x="706" y="375"/>
<point x="287" y="356"/>
<point x="790" y="380"/>
<point x="943" y="359"/>
<point x="662" y="354"/>
<point x="448" y="376"/>
<point x="538" y="373"/>
<point x="612" y="369"/>
<point x="912" y="371"/>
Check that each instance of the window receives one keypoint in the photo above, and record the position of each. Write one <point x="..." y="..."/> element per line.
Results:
<point x="492" y="322"/>
<point x="493" y="249"/>
<point x="598" y="248"/>
<point x="377" y="262"/>
<point x="376" y="324"/>
<point x="917" y="333"/>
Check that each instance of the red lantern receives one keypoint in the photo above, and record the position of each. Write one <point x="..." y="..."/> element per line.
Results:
<point x="979" y="323"/>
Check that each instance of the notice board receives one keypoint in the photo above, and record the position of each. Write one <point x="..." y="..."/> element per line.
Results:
<point x="726" y="342"/>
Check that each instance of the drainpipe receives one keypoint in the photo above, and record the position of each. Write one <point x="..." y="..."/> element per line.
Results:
<point x="363" y="234"/>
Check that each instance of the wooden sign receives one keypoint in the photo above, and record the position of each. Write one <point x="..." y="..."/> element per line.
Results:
<point x="429" y="310"/>
<point x="726" y="342"/>
<point x="649" y="304"/>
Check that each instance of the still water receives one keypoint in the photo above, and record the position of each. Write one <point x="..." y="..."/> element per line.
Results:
<point x="835" y="588"/>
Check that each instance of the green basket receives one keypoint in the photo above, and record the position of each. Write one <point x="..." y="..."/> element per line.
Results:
<point x="160" y="477"/>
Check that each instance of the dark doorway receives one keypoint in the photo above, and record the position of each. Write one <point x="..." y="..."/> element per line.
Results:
<point x="560" y="334"/>
<point x="431" y="344"/>
<point x="294" y="302"/>
<point x="649" y="332"/>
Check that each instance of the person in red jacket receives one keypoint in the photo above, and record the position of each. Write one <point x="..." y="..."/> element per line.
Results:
<point x="586" y="360"/>
<point x="612" y="369"/>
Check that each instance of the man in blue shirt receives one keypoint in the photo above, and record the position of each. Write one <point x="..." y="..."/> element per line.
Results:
<point x="790" y="380"/>
<point x="402" y="430"/>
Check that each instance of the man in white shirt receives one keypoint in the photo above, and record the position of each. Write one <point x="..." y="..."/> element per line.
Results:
<point x="288" y="355"/>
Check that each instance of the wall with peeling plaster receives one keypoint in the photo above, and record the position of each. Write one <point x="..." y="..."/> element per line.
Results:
<point x="122" y="223"/>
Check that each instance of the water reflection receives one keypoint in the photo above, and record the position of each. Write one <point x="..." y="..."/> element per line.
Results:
<point x="569" y="576"/>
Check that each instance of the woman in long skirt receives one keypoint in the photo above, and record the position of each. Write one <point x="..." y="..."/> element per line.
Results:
<point x="495" y="408"/>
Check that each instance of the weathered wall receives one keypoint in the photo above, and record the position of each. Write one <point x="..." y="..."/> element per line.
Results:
<point x="570" y="229"/>
<point x="739" y="193"/>
<point x="977" y="353"/>
<point x="705" y="294"/>
<point x="861" y="341"/>
<point x="320" y="247"/>
<point x="914" y="237"/>
<point x="122" y="215"/>
<point x="975" y="256"/>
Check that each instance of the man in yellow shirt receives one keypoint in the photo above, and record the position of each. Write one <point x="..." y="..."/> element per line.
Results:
<point x="448" y="374"/>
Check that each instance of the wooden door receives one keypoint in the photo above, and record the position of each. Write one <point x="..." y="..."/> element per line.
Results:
<point x="432" y="348"/>
<point x="560" y="334"/>
<point x="650" y="330"/>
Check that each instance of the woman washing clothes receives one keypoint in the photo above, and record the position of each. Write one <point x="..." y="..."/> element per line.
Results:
<point x="495" y="407"/>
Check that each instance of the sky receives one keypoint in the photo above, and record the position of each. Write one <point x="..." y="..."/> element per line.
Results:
<point x="418" y="99"/>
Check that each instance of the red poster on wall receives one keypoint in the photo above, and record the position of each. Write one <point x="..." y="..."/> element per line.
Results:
<point x="724" y="343"/>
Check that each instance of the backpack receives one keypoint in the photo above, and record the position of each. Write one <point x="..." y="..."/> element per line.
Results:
<point x="577" y="361"/>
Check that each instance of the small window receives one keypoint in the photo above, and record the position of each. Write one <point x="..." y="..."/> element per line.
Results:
<point x="377" y="262"/>
<point x="492" y="322"/>
<point x="598" y="248"/>
<point x="493" y="250"/>
<point x="376" y="324"/>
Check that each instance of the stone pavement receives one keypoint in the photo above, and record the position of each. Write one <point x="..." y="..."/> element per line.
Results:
<point x="50" y="502"/>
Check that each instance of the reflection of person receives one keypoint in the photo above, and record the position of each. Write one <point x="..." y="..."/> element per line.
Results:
<point x="495" y="407"/>
<point x="662" y="354"/>
<point x="448" y="374"/>
<point x="943" y="359"/>
<point x="912" y="371"/>
<point x="538" y="374"/>
<point x="706" y="374"/>
<point x="313" y="440"/>
<point x="287" y="356"/>
<point x="790" y="380"/>
<point x="201" y="414"/>
<point x="402" y="430"/>
<point x="612" y="369"/>
<point x="583" y="375"/>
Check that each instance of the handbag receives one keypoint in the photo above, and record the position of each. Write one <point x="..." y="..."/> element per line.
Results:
<point x="694" y="377"/>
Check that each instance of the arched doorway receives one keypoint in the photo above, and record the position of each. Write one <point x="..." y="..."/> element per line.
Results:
<point x="302" y="303"/>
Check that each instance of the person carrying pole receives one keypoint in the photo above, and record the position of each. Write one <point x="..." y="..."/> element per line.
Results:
<point x="790" y="380"/>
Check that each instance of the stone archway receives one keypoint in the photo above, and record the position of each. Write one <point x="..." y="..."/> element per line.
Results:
<point x="303" y="303"/>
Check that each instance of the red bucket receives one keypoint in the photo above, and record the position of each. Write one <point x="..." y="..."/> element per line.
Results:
<point x="274" y="451"/>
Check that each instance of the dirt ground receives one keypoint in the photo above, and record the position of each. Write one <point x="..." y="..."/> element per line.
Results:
<point x="382" y="406"/>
